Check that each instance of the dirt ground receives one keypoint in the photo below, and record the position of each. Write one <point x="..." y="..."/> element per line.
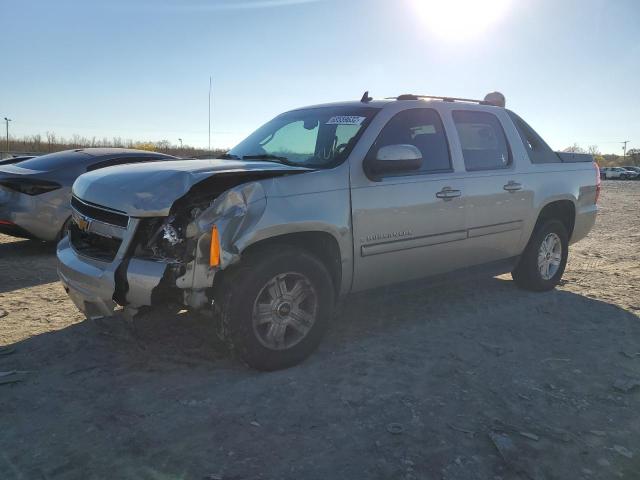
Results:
<point x="471" y="380"/>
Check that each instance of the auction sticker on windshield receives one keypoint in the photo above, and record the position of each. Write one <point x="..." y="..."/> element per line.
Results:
<point x="346" y="120"/>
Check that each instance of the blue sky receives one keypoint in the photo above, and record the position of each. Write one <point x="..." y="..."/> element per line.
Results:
<point x="140" y="68"/>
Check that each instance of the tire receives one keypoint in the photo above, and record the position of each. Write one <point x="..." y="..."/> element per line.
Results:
<point x="64" y="230"/>
<point x="528" y="274"/>
<point x="268" y="301"/>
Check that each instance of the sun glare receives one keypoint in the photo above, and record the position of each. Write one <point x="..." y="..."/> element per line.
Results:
<point x="458" y="20"/>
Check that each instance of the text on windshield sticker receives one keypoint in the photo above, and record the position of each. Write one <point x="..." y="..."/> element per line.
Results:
<point x="346" y="120"/>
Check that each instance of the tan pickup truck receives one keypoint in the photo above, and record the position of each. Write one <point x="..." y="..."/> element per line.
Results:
<point x="323" y="201"/>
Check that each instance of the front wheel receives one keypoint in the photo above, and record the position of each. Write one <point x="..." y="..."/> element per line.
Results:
<point x="544" y="259"/>
<point x="275" y="307"/>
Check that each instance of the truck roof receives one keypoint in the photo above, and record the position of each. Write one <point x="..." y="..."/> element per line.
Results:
<point x="350" y="103"/>
<point x="488" y="102"/>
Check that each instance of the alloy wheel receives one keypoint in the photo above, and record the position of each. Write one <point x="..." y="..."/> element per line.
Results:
<point x="284" y="311"/>
<point x="549" y="256"/>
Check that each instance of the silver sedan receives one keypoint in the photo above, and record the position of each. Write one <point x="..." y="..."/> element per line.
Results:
<point x="35" y="193"/>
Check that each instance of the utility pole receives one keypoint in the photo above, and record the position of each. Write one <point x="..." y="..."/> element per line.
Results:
<point x="7" y="120"/>
<point x="624" y="149"/>
<point x="210" y="88"/>
<point x="180" y="140"/>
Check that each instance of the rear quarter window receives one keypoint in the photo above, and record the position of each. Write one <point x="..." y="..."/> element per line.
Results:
<point x="537" y="148"/>
<point x="483" y="141"/>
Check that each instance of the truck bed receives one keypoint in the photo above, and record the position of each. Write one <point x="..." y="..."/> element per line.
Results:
<point x="570" y="157"/>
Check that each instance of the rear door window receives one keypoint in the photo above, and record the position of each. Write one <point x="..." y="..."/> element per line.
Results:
<point x="422" y="128"/>
<point x="483" y="141"/>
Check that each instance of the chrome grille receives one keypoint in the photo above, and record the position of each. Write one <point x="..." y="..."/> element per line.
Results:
<point x="102" y="214"/>
<point x="96" y="232"/>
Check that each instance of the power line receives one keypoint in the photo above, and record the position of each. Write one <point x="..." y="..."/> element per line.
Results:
<point x="624" y="148"/>
<point x="7" y="120"/>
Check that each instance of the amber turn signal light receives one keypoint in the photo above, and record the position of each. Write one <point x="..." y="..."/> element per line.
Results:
<point x="214" y="254"/>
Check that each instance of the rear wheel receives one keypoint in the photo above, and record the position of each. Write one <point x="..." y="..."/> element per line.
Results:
<point x="544" y="259"/>
<point x="275" y="307"/>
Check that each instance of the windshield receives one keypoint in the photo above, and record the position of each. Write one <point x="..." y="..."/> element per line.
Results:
<point x="314" y="137"/>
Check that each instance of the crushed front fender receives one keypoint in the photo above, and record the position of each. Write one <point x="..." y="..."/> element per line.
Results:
<point x="234" y="213"/>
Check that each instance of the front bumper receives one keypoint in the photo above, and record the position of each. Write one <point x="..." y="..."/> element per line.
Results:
<point x="91" y="284"/>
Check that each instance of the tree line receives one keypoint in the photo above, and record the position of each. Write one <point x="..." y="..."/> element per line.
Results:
<point x="38" y="144"/>
<point x="608" y="159"/>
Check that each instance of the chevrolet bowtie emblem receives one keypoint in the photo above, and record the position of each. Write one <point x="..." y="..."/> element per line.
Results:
<point x="81" y="221"/>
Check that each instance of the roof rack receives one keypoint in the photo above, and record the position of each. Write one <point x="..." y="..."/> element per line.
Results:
<point x="409" y="96"/>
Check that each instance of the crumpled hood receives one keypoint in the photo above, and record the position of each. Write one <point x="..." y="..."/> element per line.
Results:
<point x="150" y="189"/>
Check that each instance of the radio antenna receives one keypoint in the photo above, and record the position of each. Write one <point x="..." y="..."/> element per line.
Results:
<point x="210" y="89"/>
<point x="366" y="98"/>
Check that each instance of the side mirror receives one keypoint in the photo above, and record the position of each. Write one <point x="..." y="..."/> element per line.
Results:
<point x="396" y="158"/>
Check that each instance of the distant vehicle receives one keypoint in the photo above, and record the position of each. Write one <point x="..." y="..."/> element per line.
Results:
<point x="323" y="201"/>
<point x="634" y="169"/>
<point x="35" y="193"/>
<point x="14" y="160"/>
<point x="617" y="173"/>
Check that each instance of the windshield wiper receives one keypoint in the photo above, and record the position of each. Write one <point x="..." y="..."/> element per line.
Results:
<point x="229" y="156"/>
<point x="269" y="158"/>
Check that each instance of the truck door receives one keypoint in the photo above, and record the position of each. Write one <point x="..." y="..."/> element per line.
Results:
<point x="497" y="196"/>
<point x="408" y="225"/>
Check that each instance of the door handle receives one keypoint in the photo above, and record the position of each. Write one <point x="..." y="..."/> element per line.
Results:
<point x="512" y="186"/>
<point x="448" y="193"/>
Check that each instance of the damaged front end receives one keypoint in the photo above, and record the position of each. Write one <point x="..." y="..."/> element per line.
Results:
<point x="110" y="259"/>
<point x="183" y="243"/>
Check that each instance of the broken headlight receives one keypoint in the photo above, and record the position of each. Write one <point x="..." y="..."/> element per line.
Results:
<point x="166" y="238"/>
<point x="162" y="238"/>
<point x="169" y="240"/>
